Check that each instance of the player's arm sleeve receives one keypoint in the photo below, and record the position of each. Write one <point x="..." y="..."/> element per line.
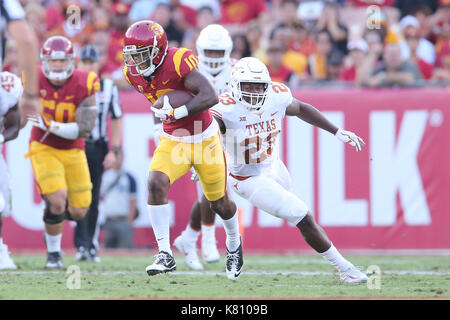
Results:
<point x="115" y="107"/>
<point x="218" y="114"/>
<point x="184" y="61"/>
<point x="92" y="83"/>
<point x="125" y="74"/>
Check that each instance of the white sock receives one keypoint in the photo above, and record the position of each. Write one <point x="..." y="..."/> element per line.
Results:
<point x="53" y="242"/>
<point x="231" y="227"/>
<point x="159" y="217"/>
<point x="190" y="235"/>
<point x="336" y="259"/>
<point x="208" y="233"/>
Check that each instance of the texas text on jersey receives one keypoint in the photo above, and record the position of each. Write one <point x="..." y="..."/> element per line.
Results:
<point x="60" y="104"/>
<point x="177" y="63"/>
<point x="251" y="136"/>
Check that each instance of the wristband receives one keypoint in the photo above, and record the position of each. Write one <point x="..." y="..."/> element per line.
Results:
<point x="2" y="138"/>
<point x="180" y="112"/>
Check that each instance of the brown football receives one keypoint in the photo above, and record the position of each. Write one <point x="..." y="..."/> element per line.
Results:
<point x="177" y="98"/>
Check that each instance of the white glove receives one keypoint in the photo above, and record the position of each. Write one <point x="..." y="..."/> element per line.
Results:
<point x="37" y="121"/>
<point x="166" y="112"/>
<point x="351" y="138"/>
<point x="194" y="176"/>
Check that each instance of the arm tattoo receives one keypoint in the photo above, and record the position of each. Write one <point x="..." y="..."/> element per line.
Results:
<point x="85" y="116"/>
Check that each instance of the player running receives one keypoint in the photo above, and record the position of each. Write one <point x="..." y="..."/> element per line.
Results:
<point x="214" y="47"/>
<point x="10" y="91"/>
<point x="56" y="144"/>
<point x="153" y="69"/>
<point x="250" y="119"/>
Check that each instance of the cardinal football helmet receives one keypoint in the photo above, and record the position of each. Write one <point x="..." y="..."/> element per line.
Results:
<point x="145" y="47"/>
<point x="57" y="48"/>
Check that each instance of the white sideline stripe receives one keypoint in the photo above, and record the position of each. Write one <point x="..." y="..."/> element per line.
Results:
<point x="213" y="273"/>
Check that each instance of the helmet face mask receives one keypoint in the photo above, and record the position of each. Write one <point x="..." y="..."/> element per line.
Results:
<point x="140" y="61"/>
<point x="254" y="93"/>
<point x="55" y="51"/>
<point x="214" y="60"/>
<point x="214" y="46"/>
<point x="250" y="82"/>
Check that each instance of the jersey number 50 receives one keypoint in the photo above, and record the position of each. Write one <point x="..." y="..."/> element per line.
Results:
<point x="61" y="109"/>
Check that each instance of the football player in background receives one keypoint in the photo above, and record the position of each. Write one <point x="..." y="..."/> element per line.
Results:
<point x="153" y="69"/>
<point x="57" y="146"/>
<point x="13" y="20"/>
<point x="10" y="91"/>
<point x="251" y="119"/>
<point x="214" y="47"/>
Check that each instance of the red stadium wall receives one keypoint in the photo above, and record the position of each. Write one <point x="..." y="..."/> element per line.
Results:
<point x="392" y="195"/>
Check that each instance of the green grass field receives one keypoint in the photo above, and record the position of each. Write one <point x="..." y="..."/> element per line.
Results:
<point x="264" y="277"/>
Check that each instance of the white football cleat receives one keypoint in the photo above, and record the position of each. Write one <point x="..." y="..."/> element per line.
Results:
<point x="209" y="251"/>
<point x="190" y="253"/>
<point x="5" y="260"/>
<point x="234" y="263"/>
<point x="353" y="275"/>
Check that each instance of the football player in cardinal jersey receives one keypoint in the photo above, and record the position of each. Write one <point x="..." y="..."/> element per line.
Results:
<point x="153" y="69"/>
<point x="250" y="119"/>
<point x="214" y="47"/>
<point x="56" y="151"/>
<point x="10" y="92"/>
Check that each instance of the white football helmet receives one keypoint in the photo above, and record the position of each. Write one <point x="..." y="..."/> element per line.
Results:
<point x="250" y="70"/>
<point x="214" y="37"/>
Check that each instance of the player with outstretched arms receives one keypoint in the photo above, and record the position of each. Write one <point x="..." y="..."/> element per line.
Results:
<point x="251" y="118"/>
<point x="154" y="69"/>
<point x="56" y="150"/>
<point x="214" y="46"/>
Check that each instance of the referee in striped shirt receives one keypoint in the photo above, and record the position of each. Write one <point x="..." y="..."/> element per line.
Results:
<point x="99" y="155"/>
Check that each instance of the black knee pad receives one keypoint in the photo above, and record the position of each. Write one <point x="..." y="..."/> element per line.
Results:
<point x="51" y="218"/>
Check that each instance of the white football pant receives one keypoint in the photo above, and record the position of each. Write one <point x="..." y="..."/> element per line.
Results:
<point x="271" y="191"/>
<point x="5" y="191"/>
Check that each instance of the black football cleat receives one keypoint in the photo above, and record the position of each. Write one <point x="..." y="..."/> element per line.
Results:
<point x="54" y="260"/>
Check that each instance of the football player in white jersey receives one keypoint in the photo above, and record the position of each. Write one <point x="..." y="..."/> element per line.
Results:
<point x="213" y="47"/>
<point x="250" y="118"/>
<point x="10" y="91"/>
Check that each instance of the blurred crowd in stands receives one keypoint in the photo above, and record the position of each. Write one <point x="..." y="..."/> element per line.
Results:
<point x="346" y="43"/>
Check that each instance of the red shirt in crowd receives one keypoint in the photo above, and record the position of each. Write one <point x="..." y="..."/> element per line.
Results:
<point x="241" y="11"/>
<point x="348" y="74"/>
<point x="425" y="68"/>
<point x="281" y="75"/>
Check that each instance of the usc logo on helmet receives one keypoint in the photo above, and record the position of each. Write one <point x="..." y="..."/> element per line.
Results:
<point x="156" y="28"/>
